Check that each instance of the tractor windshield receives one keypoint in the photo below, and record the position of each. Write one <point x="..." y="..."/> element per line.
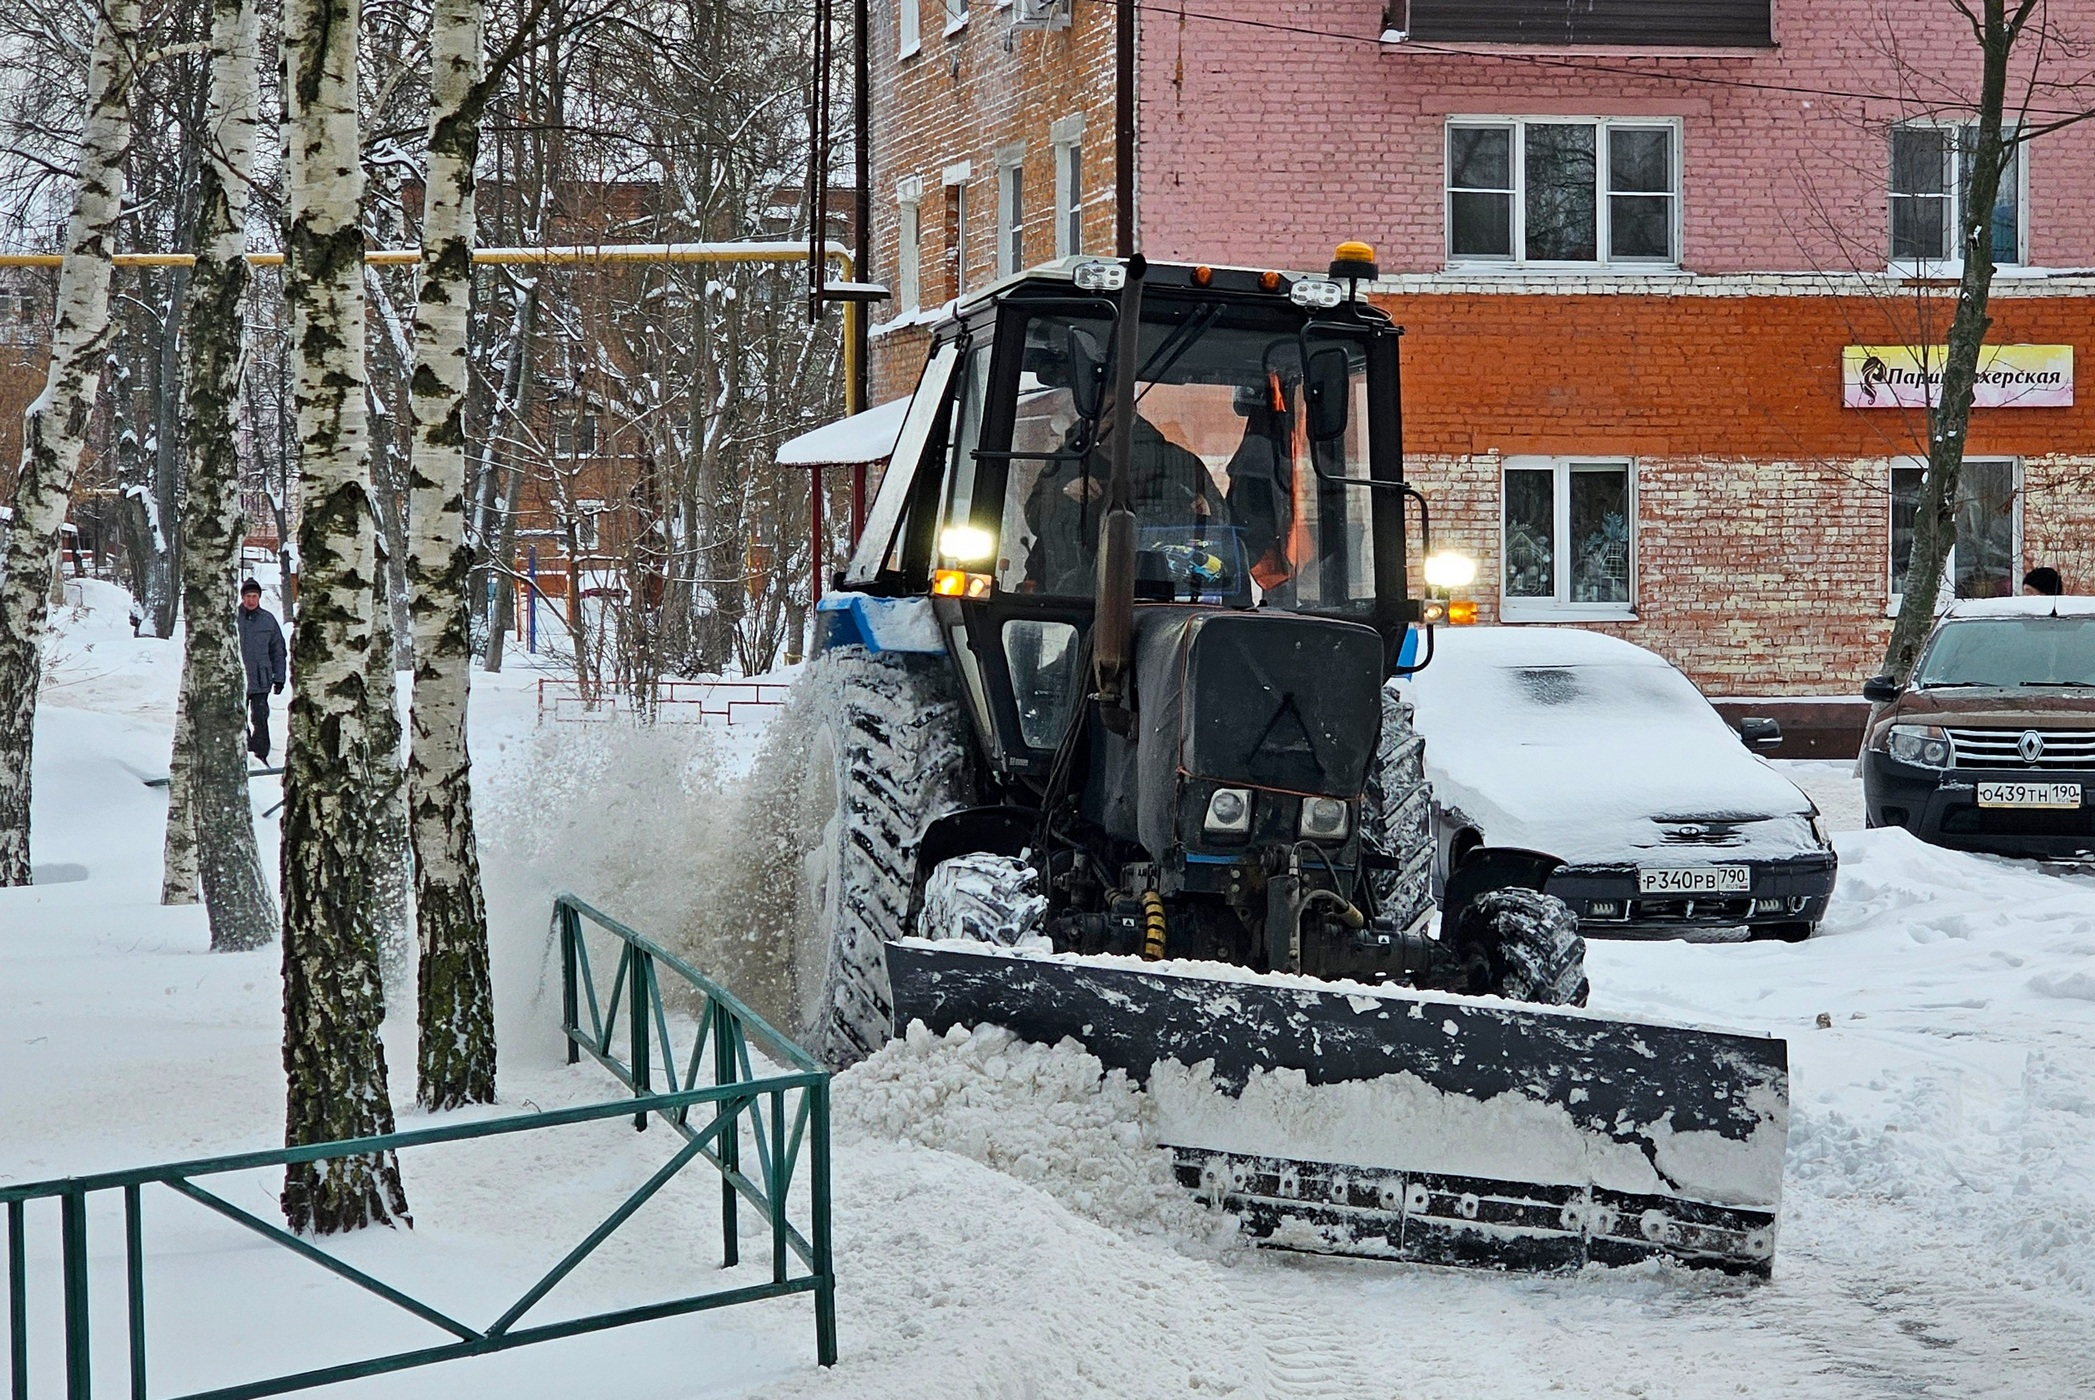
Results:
<point x="1230" y="503"/>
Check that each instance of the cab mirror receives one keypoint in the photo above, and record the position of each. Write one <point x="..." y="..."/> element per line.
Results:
<point x="1087" y="374"/>
<point x="1328" y="378"/>
<point x="1881" y="690"/>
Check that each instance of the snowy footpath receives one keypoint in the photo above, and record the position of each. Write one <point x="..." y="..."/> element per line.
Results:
<point x="1005" y="1227"/>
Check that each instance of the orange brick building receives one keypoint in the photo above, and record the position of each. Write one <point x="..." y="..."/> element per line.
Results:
<point x="1644" y="272"/>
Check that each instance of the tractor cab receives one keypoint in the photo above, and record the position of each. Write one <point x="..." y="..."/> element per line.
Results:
<point x="1263" y="472"/>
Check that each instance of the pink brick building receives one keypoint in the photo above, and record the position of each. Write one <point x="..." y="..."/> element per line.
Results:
<point x="1641" y="249"/>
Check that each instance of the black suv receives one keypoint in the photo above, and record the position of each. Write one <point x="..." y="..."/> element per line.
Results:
<point x="1992" y="745"/>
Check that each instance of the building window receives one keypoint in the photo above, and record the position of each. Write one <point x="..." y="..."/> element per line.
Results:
<point x="908" y="245"/>
<point x="910" y="16"/>
<point x="1545" y="191"/>
<point x="1569" y="540"/>
<point x="574" y="434"/>
<point x="956" y="16"/>
<point x="1069" y="195"/>
<point x="1931" y="169"/>
<point x="587" y="536"/>
<point x="1011" y="216"/>
<point x="1985" y="561"/>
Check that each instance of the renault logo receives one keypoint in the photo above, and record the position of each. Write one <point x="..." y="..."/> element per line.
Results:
<point x="2030" y="746"/>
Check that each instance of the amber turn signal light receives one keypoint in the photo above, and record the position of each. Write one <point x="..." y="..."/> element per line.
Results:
<point x="1462" y="612"/>
<point x="958" y="583"/>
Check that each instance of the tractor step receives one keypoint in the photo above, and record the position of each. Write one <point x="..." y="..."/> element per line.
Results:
<point x="1404" y="1124"/>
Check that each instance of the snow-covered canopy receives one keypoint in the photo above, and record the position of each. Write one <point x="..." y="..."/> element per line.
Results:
<point x="863" y="437"/>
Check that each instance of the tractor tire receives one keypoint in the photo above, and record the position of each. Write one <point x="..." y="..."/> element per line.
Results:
<point x="983" y="898"/>
<point x="1524" y="945"/>
<point x="887" y="754"/>
<point x="1394" y="815"/>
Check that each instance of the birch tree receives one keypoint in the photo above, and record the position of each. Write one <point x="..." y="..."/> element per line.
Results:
<point x="1998" y="26"/>
<point x="334" y="997"/>
<point x="456" y="1058"/>
<point x="209" y="730"/>
<point x="55" y="427"/>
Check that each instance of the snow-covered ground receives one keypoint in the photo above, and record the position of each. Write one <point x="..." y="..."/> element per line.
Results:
<point x="1003" y="1228"/>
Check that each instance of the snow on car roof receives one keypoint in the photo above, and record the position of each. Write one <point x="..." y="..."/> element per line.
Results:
<point x="2021" y="607"/>
<point x="1538" y="646"/>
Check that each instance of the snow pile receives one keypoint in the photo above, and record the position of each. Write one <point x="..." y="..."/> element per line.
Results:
<point x="1048" y="1116"/>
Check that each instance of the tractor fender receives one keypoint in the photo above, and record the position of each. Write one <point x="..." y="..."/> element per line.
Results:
<point x="877" y="624"/>
<point x="999" y="830"/>
<point x="1488" y="868"/>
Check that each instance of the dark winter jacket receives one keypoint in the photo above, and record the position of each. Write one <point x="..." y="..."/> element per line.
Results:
<point x="262" y="650"/>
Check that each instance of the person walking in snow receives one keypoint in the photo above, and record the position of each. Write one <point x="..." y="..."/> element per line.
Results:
<point x="262" y="655"/>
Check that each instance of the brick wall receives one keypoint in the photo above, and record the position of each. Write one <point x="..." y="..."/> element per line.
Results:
<point x="1267" y="145"/>
<point x="1763" y="514"/>
<point x="964" y="98"/>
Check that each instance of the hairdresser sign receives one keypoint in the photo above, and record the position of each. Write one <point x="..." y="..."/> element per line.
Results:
<point x="2009" y="376"/>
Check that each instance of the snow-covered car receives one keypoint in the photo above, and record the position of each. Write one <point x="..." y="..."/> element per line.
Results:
<point x="1599" y="753"/>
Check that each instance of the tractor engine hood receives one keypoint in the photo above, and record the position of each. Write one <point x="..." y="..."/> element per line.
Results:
<point x="1267" y="700"/>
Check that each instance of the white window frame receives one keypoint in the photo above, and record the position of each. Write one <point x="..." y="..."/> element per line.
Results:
<point x="1954" y="183"/>
<point x="910" y="27"/>
<point x="1561" y="608"/>
<point x="1067" y="136"/>
<point x="957" y="17"/>
<point x="588" y="534"/>
<point x="1519" y="260"/>
<point x="909" y="245"/>
<point x="1946" y="594"/>
<point x="953" y="183"/>
<point x="1011" y="211"/>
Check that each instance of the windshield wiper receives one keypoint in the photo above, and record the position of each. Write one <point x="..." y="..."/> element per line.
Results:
<point x="2071" y="685"/>
<point x="1956" y="685"/>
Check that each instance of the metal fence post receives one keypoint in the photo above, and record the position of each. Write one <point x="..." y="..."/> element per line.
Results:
<point x="731" y="1139"/>
<point x="17" y="1302"/>
<point x="72" y="1234"/>
<point x="134" y="1279"/>
<point x="642" y="964"/>
<point x="818" y="1227"/>
<point x="781" y="1174"/>
<point x="570" y="1003"/>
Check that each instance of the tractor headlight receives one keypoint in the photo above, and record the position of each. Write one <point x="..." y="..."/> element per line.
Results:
<point x="1100" y="276"/>
<point x="1317" y="292"/>
<point x="1920" y="744"/>
<point x="1323" y="819"/>
<point x="1229" y="811"/>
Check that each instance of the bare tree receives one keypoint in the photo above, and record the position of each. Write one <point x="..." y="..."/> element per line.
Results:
<point x="333" y="993"/>
<point x="54" y="430"/>
<point x="1998" y="26"/>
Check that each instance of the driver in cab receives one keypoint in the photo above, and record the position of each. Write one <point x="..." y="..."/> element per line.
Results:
<point x="1167" y="486"/>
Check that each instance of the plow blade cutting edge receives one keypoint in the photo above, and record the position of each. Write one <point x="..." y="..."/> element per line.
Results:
<point x="1409" y="1125"/>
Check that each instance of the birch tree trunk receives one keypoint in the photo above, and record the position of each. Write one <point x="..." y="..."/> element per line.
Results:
<point x="210" y="729"/>
<point x="178" y="872"/>
<point x="1949" y="421"/>
<point x="55" y="427"/>
<point x="334" y="999"/>
<point x="456" y="1016"/>
<point x="392" y="874"/>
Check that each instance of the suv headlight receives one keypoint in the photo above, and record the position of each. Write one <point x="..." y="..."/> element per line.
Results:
<point x="1323" y="819"/>
<point x="1229" y="811"/>
<point x="1923" y="745"/>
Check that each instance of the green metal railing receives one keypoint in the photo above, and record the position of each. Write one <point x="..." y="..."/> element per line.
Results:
<point x="784" y="1113"/>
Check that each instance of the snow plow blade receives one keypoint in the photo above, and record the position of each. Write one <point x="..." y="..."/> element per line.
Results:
<point x="1411" y="1125"/>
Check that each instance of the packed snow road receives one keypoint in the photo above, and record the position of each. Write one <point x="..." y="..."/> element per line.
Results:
<point x="1004" y="1228"/>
